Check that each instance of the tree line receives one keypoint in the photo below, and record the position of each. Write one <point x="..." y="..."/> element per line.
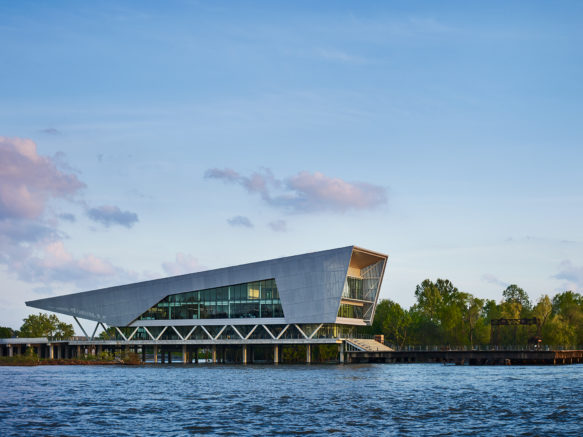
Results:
<point x="40" y="325"/>
<point x="444" y="315"/>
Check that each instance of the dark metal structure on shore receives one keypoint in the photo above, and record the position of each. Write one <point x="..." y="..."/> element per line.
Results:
<point x="471" y="357"/>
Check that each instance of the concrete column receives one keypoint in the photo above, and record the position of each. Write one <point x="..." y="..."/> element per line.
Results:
<point x="155" y="354"/>
<point x="308" y="353"/>
<point x="99" y="349"/>
<point x="276" y="354"/>
<point x="51" y="352"/>
<point x="244" y="355"/>
<point x="169" y="357"/>
<point x="163" y="355"/>
<point x="184" y="354"/>
<point x="196" y="355"/>
<point x="224" y="354"/>
<point x="214" y="354"/>
<point x="78" y="352"/>
<point x="341" y="359"/>
<point x="9" y="350"/>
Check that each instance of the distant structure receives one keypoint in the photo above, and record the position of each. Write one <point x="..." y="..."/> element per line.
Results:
<point x="496" y="323"/>
<point x="310" y="299"/>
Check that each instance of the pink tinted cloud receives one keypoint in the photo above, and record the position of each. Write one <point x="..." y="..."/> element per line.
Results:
<point x="28" y="180"/>
<point x="319" y="191"/>
<point x="306" y="192"/>
<point x="182" y="264"/>
<point x="32" y="246"/>
<point x="51" y="262"/>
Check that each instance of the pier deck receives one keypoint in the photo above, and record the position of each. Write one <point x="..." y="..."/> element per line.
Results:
<point x="471" y="357"/>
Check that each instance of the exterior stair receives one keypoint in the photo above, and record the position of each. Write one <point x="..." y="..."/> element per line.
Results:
<point x="366" y="345"/>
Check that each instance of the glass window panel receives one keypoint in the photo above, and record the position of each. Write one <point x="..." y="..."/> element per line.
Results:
<point x="249" y="300"/>
<point x="253" y="291"/>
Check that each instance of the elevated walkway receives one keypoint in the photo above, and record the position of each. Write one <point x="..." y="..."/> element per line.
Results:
<point x="366" y="345"/>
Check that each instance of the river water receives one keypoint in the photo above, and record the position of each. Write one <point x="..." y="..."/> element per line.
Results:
<point x="372" y="399"/>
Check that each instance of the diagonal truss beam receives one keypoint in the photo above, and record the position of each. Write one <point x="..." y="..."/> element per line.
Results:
<point x="105" y="329"/>
<point x="301" y="332"/>
<point x="133" y="333"/>
<point x="251" y="332"/>
<point x="317" y="329"/>
<point x="161" y="332"/>
<point x="149" y="333"/>
<point x="207" y="333"/>
<point x="281" y="333"/>
<point x="190" y="333"/>
<point x="176" y="330"/>
<point x="121" y="333"/>
<point x="94" y="331"/>
<point x="81" y="326"/>
<point x="220" y="332"/>
<point x="268" y="331"/>
<point x="238" y="333"/>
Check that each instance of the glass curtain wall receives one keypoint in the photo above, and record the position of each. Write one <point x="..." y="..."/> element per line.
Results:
<point x="248" y="300"/>
<point x="362" y="289"/>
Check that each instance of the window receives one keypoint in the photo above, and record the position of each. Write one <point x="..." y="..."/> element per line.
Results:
<point x="249" y="300"/>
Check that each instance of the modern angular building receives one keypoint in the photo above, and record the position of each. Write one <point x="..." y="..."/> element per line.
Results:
<point x="315" y="298"/>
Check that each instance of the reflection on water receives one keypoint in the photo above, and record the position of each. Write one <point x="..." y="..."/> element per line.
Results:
<point x="375" y="399"/>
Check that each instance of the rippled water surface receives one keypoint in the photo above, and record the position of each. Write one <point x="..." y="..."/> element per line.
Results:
<point x="375" y="399"/>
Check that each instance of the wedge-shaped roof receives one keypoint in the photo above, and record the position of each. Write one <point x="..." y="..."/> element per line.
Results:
<point x="310" y="287"/>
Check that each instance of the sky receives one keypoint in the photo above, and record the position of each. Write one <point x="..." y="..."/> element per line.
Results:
<point x="145" y="139"/>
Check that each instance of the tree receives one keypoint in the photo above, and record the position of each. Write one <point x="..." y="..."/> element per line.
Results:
<point x="515" y="294"/>
<point x="6" y="332"/>
<point x="107" y="334"/>
<point x="473" y="313"/>
<point x="543" y="310"/>
<point x="394" y="323"/>
<point x="44" y="325"/>
<point x="438" y="313"/>
<point x="428" y="299"/>
<point x="569" y="306"/>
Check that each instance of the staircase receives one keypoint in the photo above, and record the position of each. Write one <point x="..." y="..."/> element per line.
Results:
<point x="368" y="345"/>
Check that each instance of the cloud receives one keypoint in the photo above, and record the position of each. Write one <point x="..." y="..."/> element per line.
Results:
<point x="181" y="265"/>
<point x="494" y="280"/>
<point x="57" y="264"/>
<point x="278" y="225"/>
<point x="109" y="215"/>
<point x="571" y="274"/>
<point x="28" y="180"/>
<point x="305" y="192"/>
<point x="240" y="220"/>
<point x="68" y="217"/>
<point x="32" y="246"/>
<point x="50" y="131"/>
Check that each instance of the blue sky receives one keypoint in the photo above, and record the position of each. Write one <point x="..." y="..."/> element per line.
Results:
<point x="180" y="136"/>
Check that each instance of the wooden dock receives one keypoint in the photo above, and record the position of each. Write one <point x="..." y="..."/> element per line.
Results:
<point x="469" y="357"/>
